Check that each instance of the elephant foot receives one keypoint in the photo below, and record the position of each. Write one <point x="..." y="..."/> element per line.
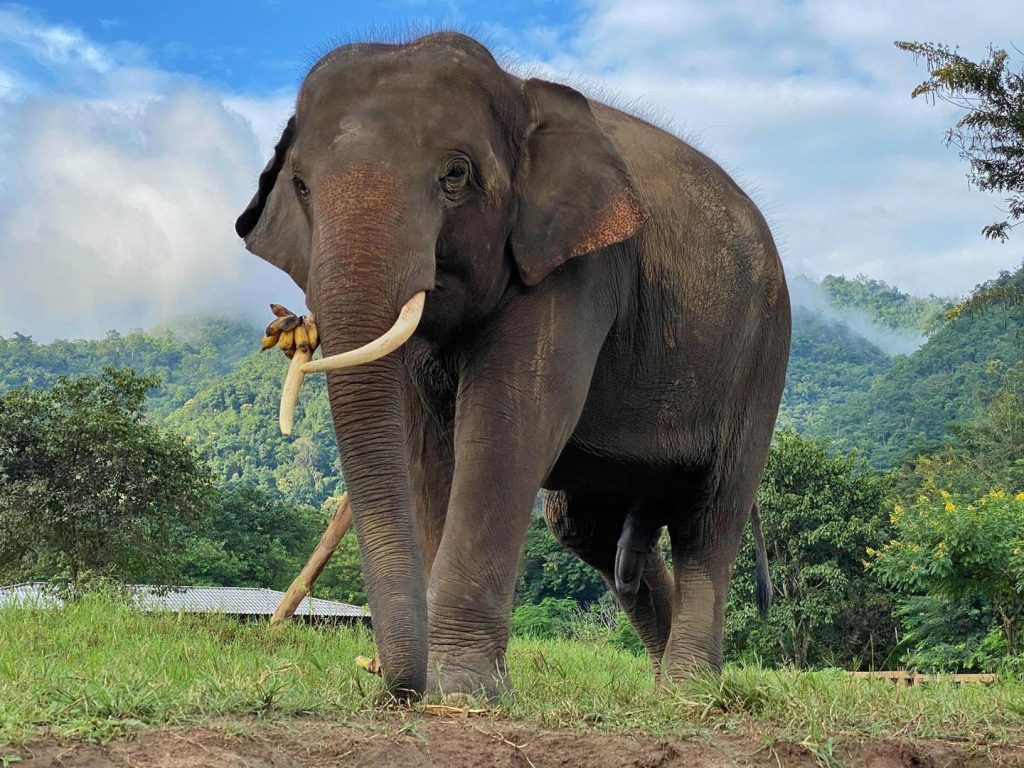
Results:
<point x="464" y="687"/>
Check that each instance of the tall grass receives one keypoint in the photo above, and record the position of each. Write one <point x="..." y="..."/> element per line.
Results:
<point x="98" y="668"/>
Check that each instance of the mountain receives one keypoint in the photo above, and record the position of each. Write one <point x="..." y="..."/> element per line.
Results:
<point x="847" y="379"/>
<point x="910" y="407"/>
<point x="184" y="356"/>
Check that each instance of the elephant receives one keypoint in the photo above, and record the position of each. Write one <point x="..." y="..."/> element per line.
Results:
<point x="586" y="305"/>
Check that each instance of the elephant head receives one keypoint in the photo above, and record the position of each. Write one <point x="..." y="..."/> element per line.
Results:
<point x="421" y="181"/>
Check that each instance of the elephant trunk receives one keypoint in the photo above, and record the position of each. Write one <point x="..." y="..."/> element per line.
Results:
<point x="368" y="411"/>
<point x="367" y="263"/>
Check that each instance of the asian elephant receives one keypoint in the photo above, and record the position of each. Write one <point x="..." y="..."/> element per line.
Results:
<point x="589" y="306"/>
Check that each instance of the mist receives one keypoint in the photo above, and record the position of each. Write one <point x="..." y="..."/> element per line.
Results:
<point x="805" y="292"/>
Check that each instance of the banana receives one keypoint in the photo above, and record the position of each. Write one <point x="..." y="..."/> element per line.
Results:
<point x="283" y="324"/>
<point x="297" y="337"/>
<point x="369" y="665"/>
<point x="287" y="343"/>
<point x="302" y="339"/>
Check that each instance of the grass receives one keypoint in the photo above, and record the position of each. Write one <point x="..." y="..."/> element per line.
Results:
<point x="96" y="669"/>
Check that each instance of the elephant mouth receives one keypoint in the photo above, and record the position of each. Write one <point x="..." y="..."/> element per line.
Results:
<point x="405" y="326"/>
<point x="399" y="333"/>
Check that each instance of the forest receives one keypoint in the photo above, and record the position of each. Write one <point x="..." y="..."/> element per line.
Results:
<point x="893" y="501"/>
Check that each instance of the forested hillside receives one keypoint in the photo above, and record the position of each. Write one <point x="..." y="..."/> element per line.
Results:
<point x="184" y="357"/>
<point x="948" y="379"/>
<point x="222" y="395"/>
<point x="886" y="305"/>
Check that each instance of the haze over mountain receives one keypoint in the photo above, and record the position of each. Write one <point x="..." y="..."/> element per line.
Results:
<point x="847" y="380"/>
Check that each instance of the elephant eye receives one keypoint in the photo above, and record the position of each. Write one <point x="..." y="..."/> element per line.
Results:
<point x="456" y="176"/>
<point x="300" y="188"/>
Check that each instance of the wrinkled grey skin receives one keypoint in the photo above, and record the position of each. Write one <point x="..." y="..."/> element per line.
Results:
<point x="606" y="318"/>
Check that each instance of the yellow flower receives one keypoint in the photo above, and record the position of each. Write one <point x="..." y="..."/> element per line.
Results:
<point x="950" y="506"/>
<point x="897" y="513"/>
<point x="1019" y="496"/>
<point x="944" y="494"/>
<point x="870" y="551"/>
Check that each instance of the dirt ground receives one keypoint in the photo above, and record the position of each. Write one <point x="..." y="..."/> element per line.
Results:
<point x="473" y="743"/>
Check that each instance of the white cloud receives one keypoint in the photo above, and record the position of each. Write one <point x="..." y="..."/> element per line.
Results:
<point x="119" y="181"/>
<point x="807" y="104"/>
<point x="117" y="207"/>
<point x="56" y="45"/>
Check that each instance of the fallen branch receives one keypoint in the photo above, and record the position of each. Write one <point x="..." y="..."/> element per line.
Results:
<point x="303" y="583"/>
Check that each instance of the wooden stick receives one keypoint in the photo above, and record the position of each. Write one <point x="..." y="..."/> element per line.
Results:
<point x="340" y="522"/>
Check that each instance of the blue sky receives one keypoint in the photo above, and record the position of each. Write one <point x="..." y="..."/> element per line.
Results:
<point x="132" y="133"/>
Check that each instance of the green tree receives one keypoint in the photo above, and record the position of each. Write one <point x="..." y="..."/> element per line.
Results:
<point x="549" y="570"/>
<point x="250" y="540"/>
<point x="819" y="512"/>
<point x="87" y="485"/>
<point x="949" y="548"/>
<point x="990" y="135"/>
<point x="986" y="451"/>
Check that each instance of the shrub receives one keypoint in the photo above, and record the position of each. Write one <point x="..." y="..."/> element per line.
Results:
<point x="551" y="617"/>
<point x="955" y="550"/>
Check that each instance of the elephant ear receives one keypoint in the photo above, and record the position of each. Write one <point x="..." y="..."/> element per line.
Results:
<point x="272" y="224"/>
<point x="575" y="193"/>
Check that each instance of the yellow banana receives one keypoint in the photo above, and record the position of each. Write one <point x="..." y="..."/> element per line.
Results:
<point x="270" y="340"/>
<point x="283" y="324"/>
<point x="302" y="339"/>
<point x="370" y="665"/>
<point x="287" y="343"/>
<point x="312" y="333"/>
<point x="280" y="311"/>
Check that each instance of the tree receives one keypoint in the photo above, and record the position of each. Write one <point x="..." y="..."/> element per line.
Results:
<point x="986" y="451"/>
<point x="991" y="135"/>
<point x="250" y="540"/>
<point x="550" y="570"/>
<point x="88" y="486"/>
<point x="949" y="548"/>
<point x="819" y="511"/>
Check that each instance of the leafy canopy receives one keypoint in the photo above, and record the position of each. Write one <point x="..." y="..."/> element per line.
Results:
<point x="88" y="486"/>
<point x="991" y="135"/>
<point x="819" y="511"/>
<point x="950" y="548"/>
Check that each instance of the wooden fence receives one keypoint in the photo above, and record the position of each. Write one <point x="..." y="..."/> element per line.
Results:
<point x="916" y="678"/>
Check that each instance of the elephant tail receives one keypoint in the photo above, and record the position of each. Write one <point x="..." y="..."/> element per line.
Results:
<point x="762" y="576"/>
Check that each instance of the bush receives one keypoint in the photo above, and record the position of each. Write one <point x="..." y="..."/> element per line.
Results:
<point x="955" y="550"/>
<point x="551" y="617"/>
<point x="820" y="511"/>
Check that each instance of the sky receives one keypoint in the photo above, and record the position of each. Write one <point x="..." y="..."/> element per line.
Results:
<point x="132" y="133"/>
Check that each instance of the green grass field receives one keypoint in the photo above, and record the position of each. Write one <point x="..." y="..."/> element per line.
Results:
<point x="96" y="670"/>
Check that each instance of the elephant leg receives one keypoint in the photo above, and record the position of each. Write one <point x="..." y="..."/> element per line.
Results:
<point x="522" y="388"/>
<point x="705" y="541"/>
<point x="589" y="526"/>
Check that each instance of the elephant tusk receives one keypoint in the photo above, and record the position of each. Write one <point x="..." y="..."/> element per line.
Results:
<point x="290" y="392"/>
<point x="395" y="337"/>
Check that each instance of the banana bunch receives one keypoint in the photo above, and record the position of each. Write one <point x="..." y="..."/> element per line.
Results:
<point x="290" y="332"/>
<point x="298" y="338"/>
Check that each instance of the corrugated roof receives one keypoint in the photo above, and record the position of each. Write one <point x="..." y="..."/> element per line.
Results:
<point x="237" y="601"/>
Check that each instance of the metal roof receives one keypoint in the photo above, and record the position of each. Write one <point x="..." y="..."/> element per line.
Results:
<point x="237" y="601"/>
